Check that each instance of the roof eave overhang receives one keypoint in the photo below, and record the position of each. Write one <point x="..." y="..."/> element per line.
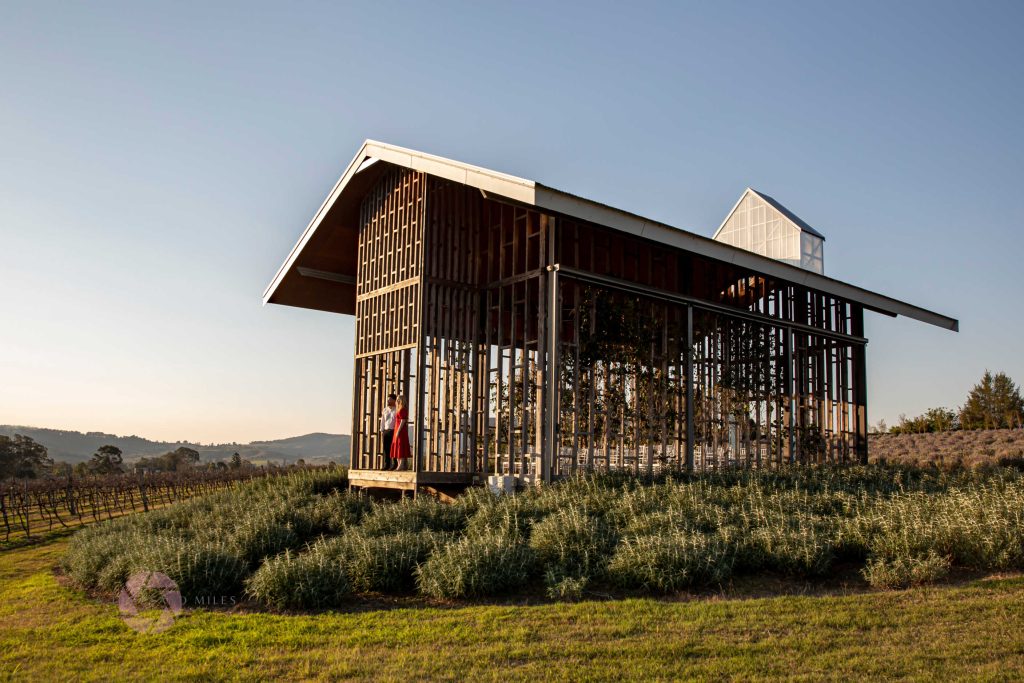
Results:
<point x="307" y="234"/>
<point x="530" y="193"/>
<point x="560" y="202"/>
<point x="340" y="298"/>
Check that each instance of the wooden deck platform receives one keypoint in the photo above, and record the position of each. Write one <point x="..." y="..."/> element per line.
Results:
<point x="441" y="482"/>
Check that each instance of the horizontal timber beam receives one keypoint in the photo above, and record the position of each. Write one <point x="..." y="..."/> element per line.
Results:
<point x="326" y="275"/>
<point x="700" y="304"/>
<point x="390" y="288"/>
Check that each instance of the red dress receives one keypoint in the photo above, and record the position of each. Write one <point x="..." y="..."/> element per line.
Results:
<point x="400" y="444"/>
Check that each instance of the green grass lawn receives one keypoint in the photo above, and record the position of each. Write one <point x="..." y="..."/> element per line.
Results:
<point x="970" y="630"/>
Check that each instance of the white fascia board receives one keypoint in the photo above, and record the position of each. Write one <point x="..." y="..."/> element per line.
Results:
<point x="518" y="189"/>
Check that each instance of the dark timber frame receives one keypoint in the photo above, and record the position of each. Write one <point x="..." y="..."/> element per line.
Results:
<point x="536" y="333"/>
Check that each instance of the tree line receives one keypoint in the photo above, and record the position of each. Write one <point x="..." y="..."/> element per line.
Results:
<point x="21" y="457"/>
<point x="993" y="403"/>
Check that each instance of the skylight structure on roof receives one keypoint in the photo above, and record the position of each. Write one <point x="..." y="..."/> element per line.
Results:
<point x="762" y="225"/>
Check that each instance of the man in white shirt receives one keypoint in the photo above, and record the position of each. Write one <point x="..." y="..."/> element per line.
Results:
<point x="387" y="429"/>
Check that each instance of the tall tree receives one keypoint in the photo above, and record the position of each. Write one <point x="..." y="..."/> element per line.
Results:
<point x="994" y="403"/>
<point x="180" y="458"/>
<point x="106" y="460"/>
<point x="21" y="456"/>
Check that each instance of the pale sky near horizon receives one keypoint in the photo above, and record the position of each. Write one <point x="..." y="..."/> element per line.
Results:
<point x="158" y="162"/>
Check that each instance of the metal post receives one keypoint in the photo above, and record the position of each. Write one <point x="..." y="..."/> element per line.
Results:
<point x="689" y="389"/>
<point x="790" y="394"/>
<point x="551" y="414"/>
<point x="860" y="387"/>
<point x="421" y="399"/>
<point x="426" y="245"/>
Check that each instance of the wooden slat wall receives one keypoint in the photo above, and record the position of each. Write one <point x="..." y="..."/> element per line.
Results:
<point x="628" y="412"/>
<point x="453" y="353"/>
<point x="390" y="253"/>
<point x="387" y="305"/>
<point x="377" y="375"/>
<point x="746" y="428"/>
<point x="462" y="281"/>
<point x="485" y="263"/>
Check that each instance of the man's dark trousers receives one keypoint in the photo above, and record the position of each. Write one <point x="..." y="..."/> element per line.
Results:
<point x="389" y="436"/>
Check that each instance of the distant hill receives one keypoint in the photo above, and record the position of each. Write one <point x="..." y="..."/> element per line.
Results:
<point x="76" y="447"/>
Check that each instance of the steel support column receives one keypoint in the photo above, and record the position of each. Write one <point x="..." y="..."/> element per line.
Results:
<point x="860" y="387"/>
<point x="790" y="394"/>
<point x="551" y="412"/>
<point x="688" y="364"/>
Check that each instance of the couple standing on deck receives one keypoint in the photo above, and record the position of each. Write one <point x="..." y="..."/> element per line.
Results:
<point x="396" y="433"/>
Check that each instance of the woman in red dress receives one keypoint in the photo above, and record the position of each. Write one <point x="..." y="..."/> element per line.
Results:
<point x="400" y="444"/>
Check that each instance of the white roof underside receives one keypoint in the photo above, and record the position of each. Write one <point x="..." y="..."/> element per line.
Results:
<point x="549" y="199"/>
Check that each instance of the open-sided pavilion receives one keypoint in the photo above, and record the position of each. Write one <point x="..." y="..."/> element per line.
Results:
<point x="537" y="333"/>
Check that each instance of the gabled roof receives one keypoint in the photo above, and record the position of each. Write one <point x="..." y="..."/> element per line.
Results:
<point x="795" y="220"/>
<point x="320" y="270"/>
<point x="792" y="217"/>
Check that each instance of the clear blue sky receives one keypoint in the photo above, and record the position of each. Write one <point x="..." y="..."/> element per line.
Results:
<point x="157" y="163"/>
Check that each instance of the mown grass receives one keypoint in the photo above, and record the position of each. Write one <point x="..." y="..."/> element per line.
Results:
<point x="971" y="630"/>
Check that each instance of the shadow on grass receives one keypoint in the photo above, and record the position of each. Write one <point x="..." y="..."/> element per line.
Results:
<point x="23" y="542"/>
